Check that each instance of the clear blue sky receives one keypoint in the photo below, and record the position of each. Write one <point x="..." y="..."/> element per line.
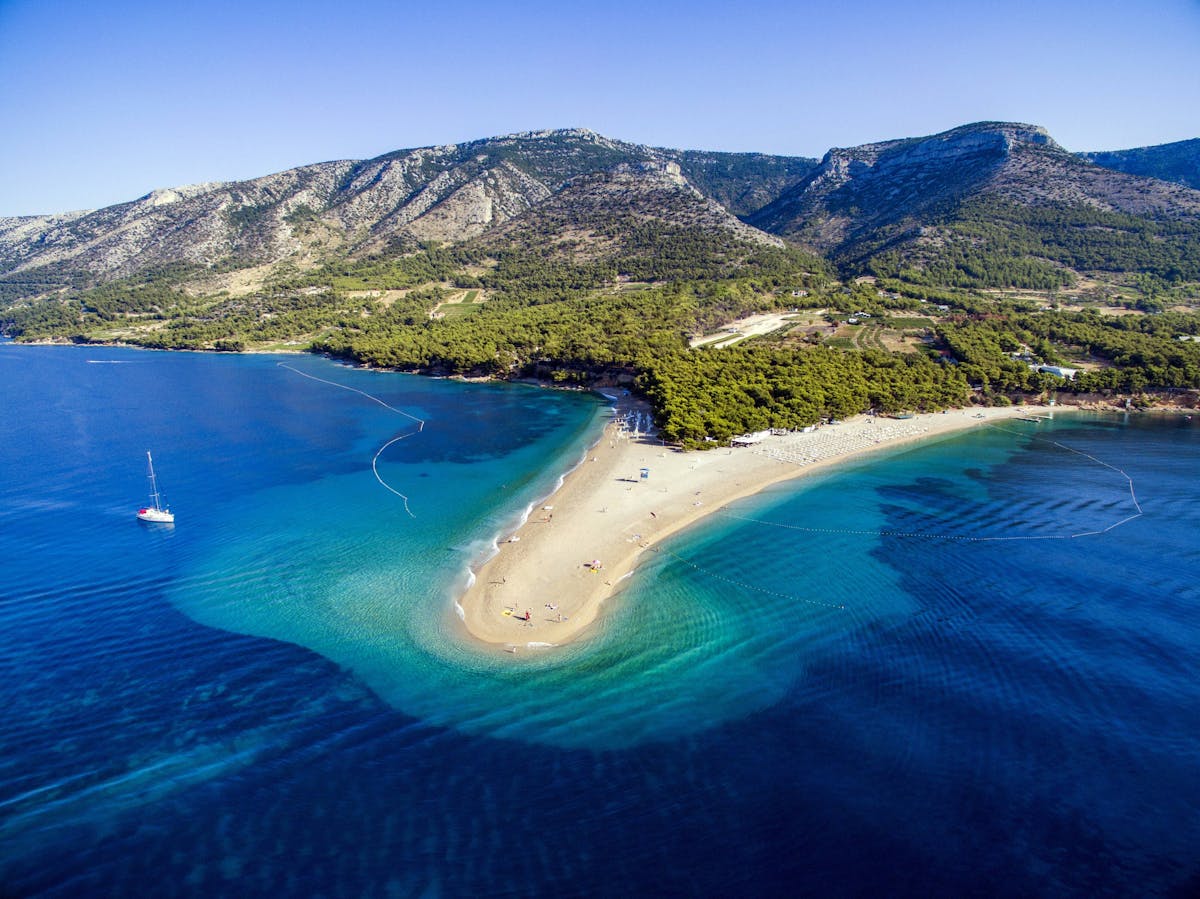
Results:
<point x="105" y="101"/>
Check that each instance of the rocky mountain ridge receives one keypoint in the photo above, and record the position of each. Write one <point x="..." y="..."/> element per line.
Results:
<point x="445" y="194"/>
<point x="1178" y="162"/>
<point x="593" y="216"/>
<point x="574" y="182"/>
<point x="856" y="191"/>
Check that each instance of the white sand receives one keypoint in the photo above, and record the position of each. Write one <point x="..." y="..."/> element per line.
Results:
<point x="606" y="511"/>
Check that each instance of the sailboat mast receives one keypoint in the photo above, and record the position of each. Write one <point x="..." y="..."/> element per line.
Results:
<point x="156" y="512"/>
<point x="153" y="482"/>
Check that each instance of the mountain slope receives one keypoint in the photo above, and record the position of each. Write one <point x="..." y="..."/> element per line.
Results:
<point x="446" y="194"/>
<point x="429" y="193"/>
<point x="857" y="189"/>
<point x="585" y="214"/>
<point x="741" y="182"/>
<point x="991" y="189"/>
<point x="1178" y="162"/>
<point x="201" y="224"/>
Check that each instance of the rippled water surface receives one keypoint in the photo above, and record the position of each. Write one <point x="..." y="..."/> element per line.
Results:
<point x="962" y="668"/>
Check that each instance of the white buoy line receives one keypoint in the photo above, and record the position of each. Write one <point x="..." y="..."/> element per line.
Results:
<point x="374" y="459"/>
<point x="869" y="533"/>
<point x="971" y="538"/>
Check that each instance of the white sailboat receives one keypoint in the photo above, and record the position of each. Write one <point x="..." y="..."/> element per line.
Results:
<point x="155" y="512"/>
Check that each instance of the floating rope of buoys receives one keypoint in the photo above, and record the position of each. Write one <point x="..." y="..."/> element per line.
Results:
<point x="1120" y="471"/>
<point x="374" y="459"/>
<point x="743" y="584"/>
<point x="910" y="534"/>
<point x="420" y="422"/>
<point x="379" y="478"/>
<point x="970" y="538"/>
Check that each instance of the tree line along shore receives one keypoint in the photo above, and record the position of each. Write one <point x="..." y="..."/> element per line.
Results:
<point x="845" y="347"/>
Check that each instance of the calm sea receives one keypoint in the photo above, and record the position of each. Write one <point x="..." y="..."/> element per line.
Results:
<point x="964" y="668"/>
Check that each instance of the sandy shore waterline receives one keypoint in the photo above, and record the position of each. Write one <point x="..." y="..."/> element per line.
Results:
<point x="606" y="511"/>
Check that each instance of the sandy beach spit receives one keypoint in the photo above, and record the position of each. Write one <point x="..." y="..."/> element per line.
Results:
<point x="630" y="492"/>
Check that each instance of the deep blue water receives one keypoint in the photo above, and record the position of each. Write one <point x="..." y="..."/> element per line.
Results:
<point x="906" y="677"/>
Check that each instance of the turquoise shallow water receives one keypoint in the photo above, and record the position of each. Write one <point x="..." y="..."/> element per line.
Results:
<point x="340" y="566"/>
<point x="903" y="677"/>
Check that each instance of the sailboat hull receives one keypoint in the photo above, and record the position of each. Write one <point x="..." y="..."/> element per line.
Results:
<point x="154" y="513"/>
<point x="156" y="516"/>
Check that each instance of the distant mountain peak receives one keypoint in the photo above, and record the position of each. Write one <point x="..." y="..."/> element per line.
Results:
<point x="164" y="196"/>
<point x="1178" y="162"/>
<point x="854" y="191"/>
<point x="1014" y="131"/>
<point x="582" y="133"/>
